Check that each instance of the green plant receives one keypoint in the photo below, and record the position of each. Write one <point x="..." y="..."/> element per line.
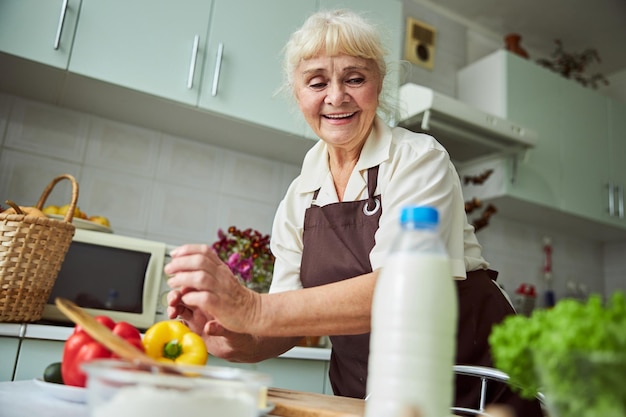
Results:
<point x="573" y="65"/>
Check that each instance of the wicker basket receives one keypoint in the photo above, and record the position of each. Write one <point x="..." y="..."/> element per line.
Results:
<point x="32" y="250"/>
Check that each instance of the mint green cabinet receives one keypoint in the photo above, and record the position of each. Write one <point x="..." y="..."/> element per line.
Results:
<point x="617" y="162"/>
<point x="153" y="46"/>
<point x="243" y="61"/>
<point x="39" y="30"/>
<point x="531" y="92"/>
<point x="580" y="148"/>
<point x="35" y="355"/>
<point x="296" y="374"/>
<point x="8" y="352"/>
<point x="582" y="117"/>
<point x="307" y="375"/>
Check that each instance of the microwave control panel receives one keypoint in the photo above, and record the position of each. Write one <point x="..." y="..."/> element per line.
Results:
<point x="161" y="308"/>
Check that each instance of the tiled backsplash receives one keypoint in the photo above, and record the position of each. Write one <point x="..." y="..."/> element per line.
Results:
<point x="176" y="190"/>
<point x="148" y="184"/>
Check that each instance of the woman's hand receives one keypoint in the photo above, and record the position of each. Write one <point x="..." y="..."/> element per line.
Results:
<point x="207" y="295"/>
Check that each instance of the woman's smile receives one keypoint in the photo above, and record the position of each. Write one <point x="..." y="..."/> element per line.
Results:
<point x="338" y="96"/>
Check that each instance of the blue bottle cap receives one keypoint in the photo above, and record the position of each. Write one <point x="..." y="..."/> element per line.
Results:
<point x="419" y="214"/>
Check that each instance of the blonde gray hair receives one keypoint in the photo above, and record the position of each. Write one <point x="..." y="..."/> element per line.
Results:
<point x="333" y="33"/>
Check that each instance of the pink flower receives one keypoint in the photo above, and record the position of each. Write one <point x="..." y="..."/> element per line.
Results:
<point x="247" y="253"/>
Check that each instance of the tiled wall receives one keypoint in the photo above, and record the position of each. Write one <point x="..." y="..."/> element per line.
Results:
<point x="175" y="190"/>
<point x="148" y="184"/>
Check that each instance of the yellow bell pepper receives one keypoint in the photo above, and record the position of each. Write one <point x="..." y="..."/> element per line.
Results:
<point x="171" y="341"/>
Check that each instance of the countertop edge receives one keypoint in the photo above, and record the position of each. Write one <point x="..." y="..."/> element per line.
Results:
<point x="61" y="333"/>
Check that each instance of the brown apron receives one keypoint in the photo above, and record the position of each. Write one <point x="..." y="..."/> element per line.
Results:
<point x="482" y="305"/>
<point x="338" y="239"/>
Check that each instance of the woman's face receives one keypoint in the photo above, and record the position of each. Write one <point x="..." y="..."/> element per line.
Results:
<point x="338" y="96"/>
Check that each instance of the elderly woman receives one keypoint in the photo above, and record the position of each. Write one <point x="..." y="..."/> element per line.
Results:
<point x="336" y="223"/>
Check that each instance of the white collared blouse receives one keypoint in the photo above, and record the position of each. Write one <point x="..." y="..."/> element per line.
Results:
<point x="414" y="170"/>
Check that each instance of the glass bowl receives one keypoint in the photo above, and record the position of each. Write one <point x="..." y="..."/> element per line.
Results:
<point x="582" y="384"/>
<point x="121" y="389"/>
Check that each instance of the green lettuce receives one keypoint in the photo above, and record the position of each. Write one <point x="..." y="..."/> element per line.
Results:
<point x="574" y="353"/>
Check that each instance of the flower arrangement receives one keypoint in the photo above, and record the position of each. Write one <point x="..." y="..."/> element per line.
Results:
<point x="247" y="253"/>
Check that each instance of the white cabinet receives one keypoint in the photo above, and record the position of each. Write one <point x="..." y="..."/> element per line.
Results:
<point x="8" y="352"/>
<point x="39" y="30"/>
<point x="153" y="46"/>
<point x="569" y="169"/>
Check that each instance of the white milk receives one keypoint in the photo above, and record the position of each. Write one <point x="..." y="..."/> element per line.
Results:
<point x="414" y="321"/>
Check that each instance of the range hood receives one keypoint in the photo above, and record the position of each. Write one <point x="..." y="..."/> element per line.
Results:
<point x="465" y="131"/>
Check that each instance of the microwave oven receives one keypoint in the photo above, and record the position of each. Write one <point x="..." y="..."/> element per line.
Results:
<point x="107" y="274"/>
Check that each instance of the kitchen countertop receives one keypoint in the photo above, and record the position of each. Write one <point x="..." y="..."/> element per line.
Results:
<point x="27" y="399"/>
<point x="61" y="333"/>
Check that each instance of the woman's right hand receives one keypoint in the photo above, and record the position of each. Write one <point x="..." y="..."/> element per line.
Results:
<point x="204" y="289"/>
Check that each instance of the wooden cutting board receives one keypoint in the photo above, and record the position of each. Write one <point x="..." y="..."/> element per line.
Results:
<point x="306" y="404"/>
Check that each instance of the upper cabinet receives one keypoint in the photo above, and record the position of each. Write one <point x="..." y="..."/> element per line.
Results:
<point x="577" y="166"/>
<point x="208" y="70"/>
<point x="617" y="161"/>
<point x="154" y="46"/>
<point x="243" y="61"/>
<point x="39" y="30"/>
<point x="584" y="137"/>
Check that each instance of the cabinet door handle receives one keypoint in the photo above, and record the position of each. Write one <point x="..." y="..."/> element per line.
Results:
<point x="611" y="199"/>
<point x="218" y="67"/>
<point x="192" y="64"/>
<point x="620" y="202"/>
<point x="57" y="38"/>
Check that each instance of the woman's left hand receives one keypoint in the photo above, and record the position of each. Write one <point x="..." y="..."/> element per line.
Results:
<point x="206" y="293"/>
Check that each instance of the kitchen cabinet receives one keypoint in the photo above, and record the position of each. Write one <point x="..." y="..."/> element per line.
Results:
<point x="35" y="355"/>
<point x="134" y="62"/>
<point x="617" y="167"/>
<point x="297" y="374"/>
<point x="153" y="46"/>
<point x="243" y="61"/>
<point x="582" y="118"/>
<point x="8" y="352"/>
<point x="569" y="169"/>
<point x="39" y="30"/>
<point x="304" y="369"/>
<point x="234" y="69"/>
